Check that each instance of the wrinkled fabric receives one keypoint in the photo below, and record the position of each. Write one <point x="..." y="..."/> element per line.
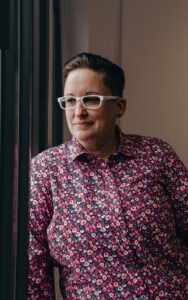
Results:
<point x="116" y="229"/>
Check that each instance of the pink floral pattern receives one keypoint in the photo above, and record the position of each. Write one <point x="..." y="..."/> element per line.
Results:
<point x="116" y="229"/>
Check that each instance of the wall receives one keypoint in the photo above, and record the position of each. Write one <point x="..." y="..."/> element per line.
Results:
<point x="154" y="55"/>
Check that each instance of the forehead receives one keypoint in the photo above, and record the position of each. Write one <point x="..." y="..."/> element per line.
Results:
<point x="85" y="81"/>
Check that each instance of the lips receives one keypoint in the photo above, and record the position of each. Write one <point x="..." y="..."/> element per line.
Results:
<point x="83" y="124"/>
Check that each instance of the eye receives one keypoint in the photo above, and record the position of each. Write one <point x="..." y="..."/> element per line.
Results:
<point x="91" y="100"/>
<point x="70" y="101"/>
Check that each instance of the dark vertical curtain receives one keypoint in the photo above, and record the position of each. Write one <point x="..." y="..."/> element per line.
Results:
<point x="30" y="82"/>
<point x="24" y="121"/>
<point x="9" y="148"/>
<point x="47" y="123"/>
<point x="57" y="127"/>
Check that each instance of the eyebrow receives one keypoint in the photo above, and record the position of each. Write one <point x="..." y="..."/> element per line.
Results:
<point x="88" y="93"/>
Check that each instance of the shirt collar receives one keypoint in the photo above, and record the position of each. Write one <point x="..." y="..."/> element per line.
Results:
<point x="126" y="146"/>
<point x="76" y="149"/>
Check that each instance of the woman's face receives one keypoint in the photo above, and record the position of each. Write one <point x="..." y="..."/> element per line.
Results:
<point x="91" y="126"/>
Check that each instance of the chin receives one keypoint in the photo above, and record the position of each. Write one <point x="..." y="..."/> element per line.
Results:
<point x="83" y="136"/>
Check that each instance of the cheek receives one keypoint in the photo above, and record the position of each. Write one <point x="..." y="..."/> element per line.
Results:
<point x="109" y="116"/>
<point x="106" y="120"/>
<point x="68" y="117"/>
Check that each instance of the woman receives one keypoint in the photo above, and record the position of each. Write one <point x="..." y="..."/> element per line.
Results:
<point x="111" y="210"/>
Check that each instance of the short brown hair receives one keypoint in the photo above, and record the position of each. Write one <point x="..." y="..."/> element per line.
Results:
<point x="113" y="75"/>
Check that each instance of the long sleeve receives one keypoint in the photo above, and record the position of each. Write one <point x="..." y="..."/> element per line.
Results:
<point x="40" y="271"/>
<point x="176" y="177"/>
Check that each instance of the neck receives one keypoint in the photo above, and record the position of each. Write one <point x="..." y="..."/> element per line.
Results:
<point x="104" y="149"/>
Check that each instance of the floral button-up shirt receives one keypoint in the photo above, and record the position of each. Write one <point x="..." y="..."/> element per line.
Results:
<point x="116" y="229"/>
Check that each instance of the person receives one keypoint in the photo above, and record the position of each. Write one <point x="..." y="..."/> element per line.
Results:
<point x="110" y="209"/>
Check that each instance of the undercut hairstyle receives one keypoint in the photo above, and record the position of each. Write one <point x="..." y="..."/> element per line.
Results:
<point x="114" y="77"/>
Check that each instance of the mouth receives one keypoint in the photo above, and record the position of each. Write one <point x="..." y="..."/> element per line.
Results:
<point x="83" y="124"/>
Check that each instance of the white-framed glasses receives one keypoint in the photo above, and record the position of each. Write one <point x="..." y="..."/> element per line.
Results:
<point x="89" y="101"/>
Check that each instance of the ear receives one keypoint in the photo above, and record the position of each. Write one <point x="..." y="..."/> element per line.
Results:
<point x="121" y="107"/>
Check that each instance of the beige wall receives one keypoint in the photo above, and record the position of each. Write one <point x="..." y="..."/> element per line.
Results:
<point x="155" y="57"/>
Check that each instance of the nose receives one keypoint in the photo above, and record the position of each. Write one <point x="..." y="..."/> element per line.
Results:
<point x="80" y="109"/>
